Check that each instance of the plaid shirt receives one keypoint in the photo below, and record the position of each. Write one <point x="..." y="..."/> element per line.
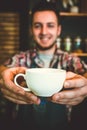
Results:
<point x="61" y="59"/>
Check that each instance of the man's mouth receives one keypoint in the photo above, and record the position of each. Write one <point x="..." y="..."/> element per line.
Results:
<point x="44" y="38"/>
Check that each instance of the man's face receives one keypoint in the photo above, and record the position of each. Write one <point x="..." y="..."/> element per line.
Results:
<point x="45" y="28"/>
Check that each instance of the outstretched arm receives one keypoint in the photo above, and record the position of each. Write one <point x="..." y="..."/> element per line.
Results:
<point x="74" y="92"/>
<point x="11" y="91"/>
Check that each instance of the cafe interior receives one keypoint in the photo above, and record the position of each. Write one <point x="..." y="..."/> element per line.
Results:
<point x="14" y="34"/>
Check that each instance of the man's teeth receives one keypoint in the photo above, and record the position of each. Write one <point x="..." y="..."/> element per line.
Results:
<point x="44" y="39"/>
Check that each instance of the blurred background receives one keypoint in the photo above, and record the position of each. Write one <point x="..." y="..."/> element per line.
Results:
<point x="15" y="37"/>
<point x="14" y="26"/>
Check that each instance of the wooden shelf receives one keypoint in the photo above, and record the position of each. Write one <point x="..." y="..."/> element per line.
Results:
<point x="80" y="54"/>
<point x="73" y="14"/>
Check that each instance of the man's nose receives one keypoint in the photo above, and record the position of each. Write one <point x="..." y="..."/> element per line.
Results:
<point x="44" y="30"/>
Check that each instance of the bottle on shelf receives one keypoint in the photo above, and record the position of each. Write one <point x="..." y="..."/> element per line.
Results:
<point x="67" y="44"/>
<point x="85" y="42"/>
<point x="59" y="42"/>
<point x="77" y="47"/>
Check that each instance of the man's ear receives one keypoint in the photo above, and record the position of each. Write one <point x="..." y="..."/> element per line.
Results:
<point x="59" y="30"/>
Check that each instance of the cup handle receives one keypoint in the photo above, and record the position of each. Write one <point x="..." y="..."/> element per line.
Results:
<point x="15" y="81"/>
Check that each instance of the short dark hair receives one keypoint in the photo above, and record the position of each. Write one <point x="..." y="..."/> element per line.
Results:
<point x="43" y="5"/>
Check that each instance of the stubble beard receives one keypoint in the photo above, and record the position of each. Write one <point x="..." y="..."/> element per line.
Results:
<point x="44" y="48"/>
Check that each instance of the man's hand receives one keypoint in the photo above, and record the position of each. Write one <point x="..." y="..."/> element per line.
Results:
<point x="74" y="92"/>
<point x="12" y="92"/>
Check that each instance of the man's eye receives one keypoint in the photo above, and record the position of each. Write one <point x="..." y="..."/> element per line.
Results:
<point x="51" y="26"/>
<point x="37" y="26"/>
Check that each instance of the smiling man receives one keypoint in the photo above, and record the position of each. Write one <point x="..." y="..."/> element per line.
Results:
<point x="54" y="113"/>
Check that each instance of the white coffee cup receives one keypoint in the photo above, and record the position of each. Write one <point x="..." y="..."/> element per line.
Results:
<point x="43" y="81"/>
